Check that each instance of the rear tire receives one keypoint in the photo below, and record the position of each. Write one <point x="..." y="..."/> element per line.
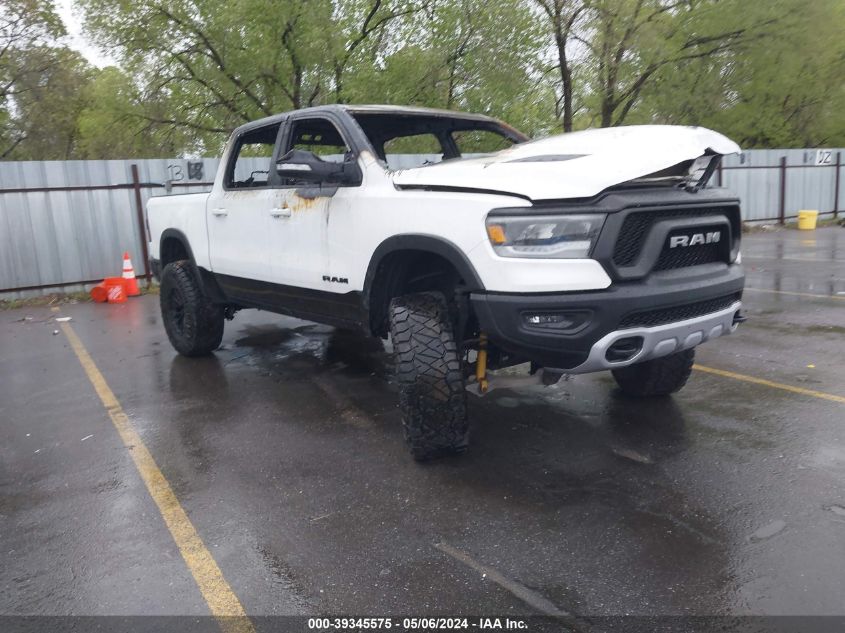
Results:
<point x="193" y="324"/>
<point x="432" y="394"/>
<point x="658" y="377"/>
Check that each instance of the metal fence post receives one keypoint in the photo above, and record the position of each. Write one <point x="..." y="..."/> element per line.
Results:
<point x="782" y="207"/>
<point x="836" y="185"/>
<point x="142" y="225"/>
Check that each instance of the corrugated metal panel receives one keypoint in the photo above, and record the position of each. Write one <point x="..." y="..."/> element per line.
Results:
<point x="807" y="186"/>
<point x="59" y="237"/>
<point x="65" y="236"/>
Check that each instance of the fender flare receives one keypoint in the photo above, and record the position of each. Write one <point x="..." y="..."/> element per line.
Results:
<point x="181" y="237"/>
<point x="205" y="278"/>
<point x="427" y="243"/>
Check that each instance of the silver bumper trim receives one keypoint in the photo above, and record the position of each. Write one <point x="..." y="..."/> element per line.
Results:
<point x="661" y="340"/>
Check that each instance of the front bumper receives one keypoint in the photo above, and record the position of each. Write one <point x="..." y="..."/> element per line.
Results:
<point x="663" y="314"/>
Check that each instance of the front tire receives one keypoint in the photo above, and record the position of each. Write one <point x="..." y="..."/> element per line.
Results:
<point x="432" y="393"/>
<point x="193" y="324"/>
<point x="658" y="377"/>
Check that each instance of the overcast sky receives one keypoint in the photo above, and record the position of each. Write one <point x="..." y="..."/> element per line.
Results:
<point x="76" y="40"/>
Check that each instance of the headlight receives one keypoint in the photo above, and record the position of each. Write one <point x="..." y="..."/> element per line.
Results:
<point x="562" y="236"/>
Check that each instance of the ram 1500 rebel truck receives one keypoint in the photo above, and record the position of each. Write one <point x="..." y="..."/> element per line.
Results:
<point x="469" y="246"/>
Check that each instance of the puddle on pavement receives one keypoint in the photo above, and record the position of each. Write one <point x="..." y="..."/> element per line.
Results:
<point x="315" y="347"/>
<point x="768" y="531"/>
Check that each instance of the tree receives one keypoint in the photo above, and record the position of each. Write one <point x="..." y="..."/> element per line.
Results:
<point x="631" y="41"/>
<point x="766" y="73"/>
<point x="464" y="55"/>
<point x="563" y="20"/>
<point x="47" y="105"/>
<point x="780" y="91"/>
<point x="363" y="22"/>
<point x="222" y="64"/>
<point x="115" y="122"/>
<point x="28" y="28"/>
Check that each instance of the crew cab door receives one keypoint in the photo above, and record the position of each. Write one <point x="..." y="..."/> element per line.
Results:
<point x="300" y="236"/>
<point x="240" y="210"/>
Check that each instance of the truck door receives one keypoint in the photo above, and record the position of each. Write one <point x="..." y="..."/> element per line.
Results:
<point x="299" y="236"/>
<point x="240" y="209"/>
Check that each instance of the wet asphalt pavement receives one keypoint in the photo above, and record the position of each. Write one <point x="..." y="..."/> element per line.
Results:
<point x="285" y="450"/>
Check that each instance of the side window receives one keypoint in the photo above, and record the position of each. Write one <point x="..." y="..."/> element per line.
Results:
<point x="404" y="152"/>
<point x="250" y="165"/>
<point x="471" y="142"/>
<point x="320" y="137"/>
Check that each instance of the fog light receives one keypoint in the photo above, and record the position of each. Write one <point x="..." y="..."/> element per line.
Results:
<point x="558" y="321"/>
<point x="546" y="319"/>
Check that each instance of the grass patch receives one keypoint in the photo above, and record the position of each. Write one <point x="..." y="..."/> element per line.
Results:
<point x="60" y="298"/>
<point x="821" y="223"/>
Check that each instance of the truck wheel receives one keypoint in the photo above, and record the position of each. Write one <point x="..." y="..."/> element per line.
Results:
<point x="194" y="325"/>
<point x="658" y="377"/>
<point x="432" y="393"/>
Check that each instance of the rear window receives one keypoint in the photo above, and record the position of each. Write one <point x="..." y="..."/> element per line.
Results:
<point x="404" y="139"/>
<point x="320" y="137"/>
<point x="404" y="152"/>
<point x="479" y="141"/>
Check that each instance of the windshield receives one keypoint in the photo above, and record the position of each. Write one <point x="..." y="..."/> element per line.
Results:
<point x="403" y="141"/>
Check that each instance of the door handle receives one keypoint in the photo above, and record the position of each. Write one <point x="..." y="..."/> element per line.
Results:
<point x="280" y="212"/>
<point x="220" y="212"/>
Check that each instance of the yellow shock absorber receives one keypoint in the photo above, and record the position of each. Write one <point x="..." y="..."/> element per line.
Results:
<point x="481" y="363"/>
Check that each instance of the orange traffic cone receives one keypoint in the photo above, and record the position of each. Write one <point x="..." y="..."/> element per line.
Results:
<point x="130" y="282"/>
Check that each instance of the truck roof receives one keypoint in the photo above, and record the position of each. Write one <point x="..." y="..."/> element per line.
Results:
<point x="370" y="109"/>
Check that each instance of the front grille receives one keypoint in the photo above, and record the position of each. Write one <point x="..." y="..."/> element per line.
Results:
<point x="651" y="318"/>
<point x="690" y="256"/>
<point x="636" y="226"/>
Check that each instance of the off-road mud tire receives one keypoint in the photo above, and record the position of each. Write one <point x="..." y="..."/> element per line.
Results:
<point x="432" y="395"/>
<point x="658" y="377"/>
<point x="193" y="324"/>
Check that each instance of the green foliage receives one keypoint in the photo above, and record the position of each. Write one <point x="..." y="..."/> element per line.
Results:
<point x="782" y="88"/>
<point x="766" y="73"/>
<point x="48" y="104"/>
<point x="28" y="29"/>
<point x="115" y="121"/>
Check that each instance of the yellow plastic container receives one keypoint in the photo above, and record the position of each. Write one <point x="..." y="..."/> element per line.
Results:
<point x="807" y="220"/>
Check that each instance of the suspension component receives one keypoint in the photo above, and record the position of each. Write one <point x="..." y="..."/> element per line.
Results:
<point x="481" y="363"/>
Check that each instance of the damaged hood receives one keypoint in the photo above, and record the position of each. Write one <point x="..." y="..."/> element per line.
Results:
<point x="573" y="165"/>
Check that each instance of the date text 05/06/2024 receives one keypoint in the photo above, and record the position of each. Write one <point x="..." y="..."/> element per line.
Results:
<point x="417" y="624"/>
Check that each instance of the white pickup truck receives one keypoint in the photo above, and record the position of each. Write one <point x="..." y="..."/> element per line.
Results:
<point x="469" y="246"/>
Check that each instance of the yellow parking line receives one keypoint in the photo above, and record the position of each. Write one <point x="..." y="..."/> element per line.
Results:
<point x="797" y="294"/>
<point x="769" y="383"/>
<point x="222" y="601"/>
